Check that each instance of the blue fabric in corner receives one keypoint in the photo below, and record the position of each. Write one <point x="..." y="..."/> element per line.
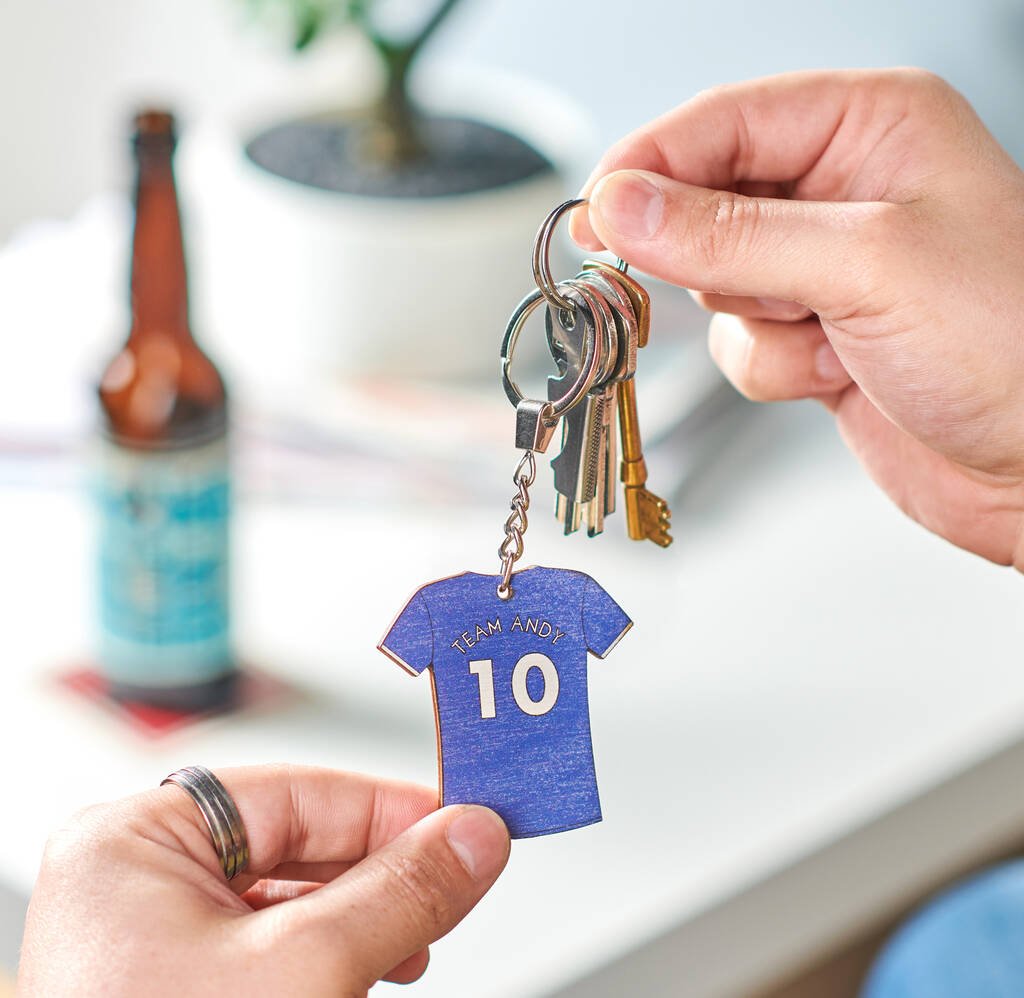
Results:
<point x="967" y="943"/>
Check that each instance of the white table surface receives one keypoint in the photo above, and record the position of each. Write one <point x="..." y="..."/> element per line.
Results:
<point x="804" y="659"/>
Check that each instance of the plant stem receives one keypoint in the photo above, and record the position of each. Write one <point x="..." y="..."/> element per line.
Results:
<point x="431" y="25"/>
<point x="400" y="141"/>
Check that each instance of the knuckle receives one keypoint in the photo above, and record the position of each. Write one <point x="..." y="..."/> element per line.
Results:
<point x="921" y="80"/>
<point x="281" y="772"/>
<point x="715" y="93"/>
<point x="722" y="227"/>
<point x="924" y="93"/>
<point x="622" y="150"/>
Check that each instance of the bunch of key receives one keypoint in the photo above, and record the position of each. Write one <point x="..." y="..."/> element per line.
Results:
<point x="595" y="323"/>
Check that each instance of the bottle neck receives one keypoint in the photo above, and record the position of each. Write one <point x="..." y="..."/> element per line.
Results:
<point x="159" y="283"/>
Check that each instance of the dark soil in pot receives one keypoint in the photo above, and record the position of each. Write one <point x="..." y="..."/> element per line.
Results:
<point x="463" y="156"/>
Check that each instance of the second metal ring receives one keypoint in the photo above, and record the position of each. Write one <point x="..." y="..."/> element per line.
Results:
<point x="593" y="358"/>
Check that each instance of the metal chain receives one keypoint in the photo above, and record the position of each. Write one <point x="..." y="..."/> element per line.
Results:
<point x="511" y="548"/>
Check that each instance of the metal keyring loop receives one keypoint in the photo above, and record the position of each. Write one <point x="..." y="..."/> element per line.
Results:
<point x="541" y="255"/>
<point x="593" y="358"/>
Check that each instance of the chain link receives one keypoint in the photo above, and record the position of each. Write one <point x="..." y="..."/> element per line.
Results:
<point x="511" y="548"/>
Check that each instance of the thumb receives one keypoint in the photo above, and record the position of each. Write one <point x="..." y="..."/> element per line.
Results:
<point x="823" y="254"/>
<point x="405" y="895"/>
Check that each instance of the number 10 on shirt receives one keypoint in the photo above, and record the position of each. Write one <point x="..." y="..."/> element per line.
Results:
<point x="483" y="669"/>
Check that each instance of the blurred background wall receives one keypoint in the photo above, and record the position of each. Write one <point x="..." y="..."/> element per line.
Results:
<point x="70" y="69"/>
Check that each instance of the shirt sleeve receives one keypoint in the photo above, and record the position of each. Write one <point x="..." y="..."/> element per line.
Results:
<point x="604" y="621"/>
<point x="410" y="641"/>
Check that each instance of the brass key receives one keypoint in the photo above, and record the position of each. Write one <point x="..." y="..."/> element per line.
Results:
<point x="647" y="515"/>
<point x="637" y="294"/>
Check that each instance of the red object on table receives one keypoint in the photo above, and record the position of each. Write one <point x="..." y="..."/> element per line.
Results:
<point x="254" y="689"/>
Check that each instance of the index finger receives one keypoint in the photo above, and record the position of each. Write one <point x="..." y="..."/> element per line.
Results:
<point x="773" y="130"/>
<point x="305" y="814"/>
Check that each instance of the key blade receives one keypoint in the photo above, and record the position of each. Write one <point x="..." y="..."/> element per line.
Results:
<point x="573" y="518"/>
<point x="648" y="517"/>
<point x="593" y="455"/>
<point x="575" y="468"/>
<point x="561" y="507"/>
<point x="607" y="460"/>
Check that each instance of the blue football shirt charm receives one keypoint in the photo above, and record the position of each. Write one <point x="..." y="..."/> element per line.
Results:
<point x="509" y="678"/>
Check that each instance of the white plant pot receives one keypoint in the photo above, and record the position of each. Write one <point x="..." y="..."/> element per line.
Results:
<point x="289" y="278"/>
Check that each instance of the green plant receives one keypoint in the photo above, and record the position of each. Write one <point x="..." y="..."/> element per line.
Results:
<point x="392" y="136"/>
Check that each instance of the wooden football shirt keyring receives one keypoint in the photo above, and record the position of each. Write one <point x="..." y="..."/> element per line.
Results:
<point x="507" y="653"/>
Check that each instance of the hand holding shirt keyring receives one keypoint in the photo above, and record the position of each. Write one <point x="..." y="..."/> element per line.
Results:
<point x="132" y="899"/>
<point x="508" y="653"/>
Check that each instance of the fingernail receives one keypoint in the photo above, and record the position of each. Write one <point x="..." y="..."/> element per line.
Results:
<point x="630" y="204"/>
<point x="828" y="365"/>
<point x="480" y="840"/>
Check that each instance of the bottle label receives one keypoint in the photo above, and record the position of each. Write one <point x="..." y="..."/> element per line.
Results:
<point x="163" y="560"/>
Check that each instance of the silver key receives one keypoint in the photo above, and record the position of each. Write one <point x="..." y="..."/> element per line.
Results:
<point x="627" y="329"/>
<point x="567" y="336"/>
<point x="599" y="507"/>
<point x="578" y="468"/>
<point x="574" y="469"/>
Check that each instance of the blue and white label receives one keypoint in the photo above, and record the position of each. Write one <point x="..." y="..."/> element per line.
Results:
<point x="163" y="560"/>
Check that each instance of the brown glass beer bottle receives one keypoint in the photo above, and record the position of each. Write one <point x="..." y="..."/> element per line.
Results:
<point x="163" y="471"/>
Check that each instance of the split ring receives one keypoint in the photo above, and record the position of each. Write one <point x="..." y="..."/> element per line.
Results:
<point x="541" y="255"/>
<point x="593" y="357"/>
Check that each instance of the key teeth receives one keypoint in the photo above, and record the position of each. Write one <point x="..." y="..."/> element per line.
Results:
<point x="655" y="517"/>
